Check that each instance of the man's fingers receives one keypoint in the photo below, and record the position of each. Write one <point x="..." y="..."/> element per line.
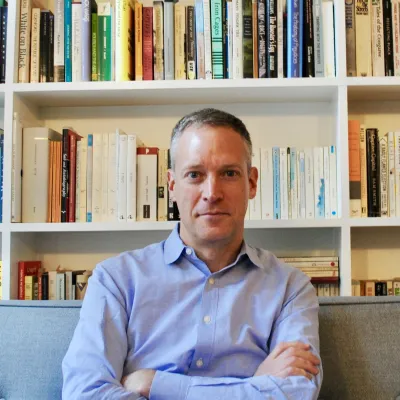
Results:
<point x="305" y="365"/>
<point x="281" y="347"/>
<point x="294" y="371"/>
<point x="299" y="353"/>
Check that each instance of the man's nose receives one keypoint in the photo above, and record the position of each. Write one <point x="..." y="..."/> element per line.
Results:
<point x="212" y="189"/>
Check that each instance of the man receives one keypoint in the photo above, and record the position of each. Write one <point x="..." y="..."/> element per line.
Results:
<point x="202" y="315"/>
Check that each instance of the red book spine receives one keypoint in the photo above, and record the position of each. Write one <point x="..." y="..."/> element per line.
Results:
<point x="148" y="43"/>
<point x="26" y="268"/>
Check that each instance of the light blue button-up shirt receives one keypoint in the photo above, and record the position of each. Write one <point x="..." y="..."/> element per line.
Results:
<point x="205" y="333"/>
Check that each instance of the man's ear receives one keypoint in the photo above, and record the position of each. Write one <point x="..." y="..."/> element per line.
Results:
<point x="253" y="179"/>
<point x="171" y="183"/>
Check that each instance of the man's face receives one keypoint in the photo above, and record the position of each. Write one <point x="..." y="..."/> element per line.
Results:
<point x="211" y="184"/>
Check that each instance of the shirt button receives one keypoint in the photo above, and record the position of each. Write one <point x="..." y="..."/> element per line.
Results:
<point x="207" y="319"/>
<point x="199" y="362"/>
<point x="188" y="252"/>
<point x="211" y="281"/>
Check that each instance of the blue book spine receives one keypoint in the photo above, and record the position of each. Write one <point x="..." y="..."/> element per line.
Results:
<point x="68" y="40"/>
<point x="276" y="182"/>
<point x="293" y="37"/>
<point x="89" y="185"/>
<point x="1" y="175"/>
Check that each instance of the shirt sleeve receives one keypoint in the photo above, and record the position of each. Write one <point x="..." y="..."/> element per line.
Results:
<point x="93" y="365"/>
<point x="298" y="321"/>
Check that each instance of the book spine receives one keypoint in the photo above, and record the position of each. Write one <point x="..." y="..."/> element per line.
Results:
<point x="309" y="179"/>
<point x="59" y="69"/>
<point x="162" y="194"/>
<point x="95" y="48"/>
<point x="319" y="183"/>
<point x="169" y="47"/>
<point x="78" y="181"/>
<point x="373" y="173"/>
<point x="216" y="40"/>
<point x="199" y="29"/>
<point x="159" y="40"/>
<point x="131" y="179"/>
<point x="16" y="169"/>
<point x="225" y="39"/>
<point x="86" y="45"/>
<point x="207" y="39"/>
<point x="237" y="40"/>
<point x="293" y="37"/>
<point x="148" y="43"/>
<point x="318" y="39"/>
<point x="229" y="41"/>
<point x="327" y="181"/>
<point x="104" y="39"/>
<point x="363" y="30"/>
<point x="397" y="170"/>
<point x="138" y="15"/>
<point x="97" y="177"/>
<point x="267" y="184"/>
<point x="392" y="174"/>
<point x="277" y="190"/>
<point x="328" y="39"/>
<point x="104" y="177"/>
<point x="333" y="181"/>
<point x="272" y="29"/>
<point x="113" y="156"/>
<point x="350" y="38"/>
<point x="65" y="176"/>
<point x="301" y="187"/>
<point x="44" y="40"/>
<point x="378" y="59"/>
<point x="25" y="23"/>
<point x="308" y="52"/>
<point x="247" y="39"/>
<point x="293" y="183"/>
<point x="388" y="37"/>
<point x="72" y="178"/>
<point x="280" y="37"/>
<point x="396" y="36"/>
<point x="4" y="18"/>
<point x="50" y="63"/>
<point x="179" y="40"/>
<point x="35" y="46"/>
<point x="89" y="179"/>
<point x="190" y="43"/>
<point x="76" y="42"/>
<point x="354" y="168"/>
<point x="383" y="169"/>
<point x="262" y="37"/>
<point x="68" y="40"/>
<point x="83" y="144"/>
<point x="122" y="179"/>
<point x="255" y="204"/>
<point x="363" y="173"/>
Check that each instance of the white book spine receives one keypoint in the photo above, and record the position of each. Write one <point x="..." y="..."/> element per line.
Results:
<point x="327" y="180"/>
<point x="89" y="179"/>
<point x="397" y="169"/>
<point x="281" y="5"/>
<point x="76" y="42"/>
<point x="237" y="40"/>
<point x="104" y="179"/>
<point x="119" y="69"/>
<point x="294" y="199"/>
<point x="97" y="176"/>
<point x="59" y="63"/>
<point x="319" y="184"/>
<point x="396" y="36"/>
<point x="207" y="39"/>
<point x="284" y="183"/>
<point x="301" y="184"/>
<point x="392" y="174"/>
<point x="82" y="179"/>
<point x="328" y="38"/>
<point x="383" y="170"/>
<point x="35" y="45"/>
<point x="131" y="179"/>
<point x="112" y="199"/>
<point x="267" y="184"/>
<point x="333" y="181"/>
<point x="309" y="175"/>
<point x="378" y="46"/>
<point x="16" y="168"/>
<point x="24" y="41"/>
<point x="41" y="173"/>
<point x="122" y="169"/>
<point x="255" y="204"/>
<point x="78" y="181"/>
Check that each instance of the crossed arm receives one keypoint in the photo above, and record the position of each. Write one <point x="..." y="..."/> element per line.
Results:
<point x="93" y="365"/>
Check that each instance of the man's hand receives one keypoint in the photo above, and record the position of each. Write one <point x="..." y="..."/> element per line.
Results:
<point x="290" y="359"/>
<point x="139" y="381"/>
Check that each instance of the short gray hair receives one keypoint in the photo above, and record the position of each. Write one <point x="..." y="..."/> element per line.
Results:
<point x="209" y="117"/>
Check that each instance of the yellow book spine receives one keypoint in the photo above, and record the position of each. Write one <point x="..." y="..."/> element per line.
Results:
<point x="180" y="64"/>
<point x="138" y="41"/>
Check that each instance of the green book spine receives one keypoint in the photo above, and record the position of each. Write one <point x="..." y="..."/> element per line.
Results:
<point x="104" y="36"/>
<point x="94" y="47"/>
<point x="217" y="48"/>
<point x="247" y="39"/>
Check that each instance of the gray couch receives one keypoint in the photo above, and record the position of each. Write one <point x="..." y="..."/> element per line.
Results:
<point x="360" y="347"/>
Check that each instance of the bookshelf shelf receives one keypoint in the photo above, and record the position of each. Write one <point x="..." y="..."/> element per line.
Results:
<point x="374" y="222"/>
<point x="373" y="88"/>
<point x="177" y="92"/>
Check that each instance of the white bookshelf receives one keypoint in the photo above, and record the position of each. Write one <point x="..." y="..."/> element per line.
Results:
<point x="283" y="112"/>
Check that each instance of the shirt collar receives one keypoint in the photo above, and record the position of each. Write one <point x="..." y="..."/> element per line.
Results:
<point x="174" y="246"/>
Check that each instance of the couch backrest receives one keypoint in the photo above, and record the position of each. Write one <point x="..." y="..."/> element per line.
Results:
<point x="360" y="347"/>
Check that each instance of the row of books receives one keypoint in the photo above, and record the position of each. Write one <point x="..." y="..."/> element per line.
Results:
<point x="35" y="283"/>
<point x="372" y="37"/>
<point x="327" y="289"/>
<point x="122" y="40"/>
<point x="374" y="172"/>
<point x="376" y="287"/>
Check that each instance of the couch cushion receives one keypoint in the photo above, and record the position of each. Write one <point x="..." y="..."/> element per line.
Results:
<point x="360" y="347"/>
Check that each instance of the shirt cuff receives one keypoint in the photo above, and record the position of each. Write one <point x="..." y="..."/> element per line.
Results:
<point x="167" y="385"/>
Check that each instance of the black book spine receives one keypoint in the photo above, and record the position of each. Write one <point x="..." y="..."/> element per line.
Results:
<point x="262" y="39"/>
<point x="388" y="37"/>
<point x="44" y="48"/>
<point x="65" y="176"/>
<point x="378" y="289"/>
<point x="272" y="27"/>
<point x="373" y="177"/>
<point x="45" y="286"/>
<point x="190" y="43"/>
<point x="224" y="39"/>
<point x="308" y="40"/>
<point x="3" y="44"/>
<point x="285" y="41"/>
<point x="50" y="67"/>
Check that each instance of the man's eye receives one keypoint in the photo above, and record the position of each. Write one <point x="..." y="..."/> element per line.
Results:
<point x="231" y="173"/>
<point x="193" y="175"/>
